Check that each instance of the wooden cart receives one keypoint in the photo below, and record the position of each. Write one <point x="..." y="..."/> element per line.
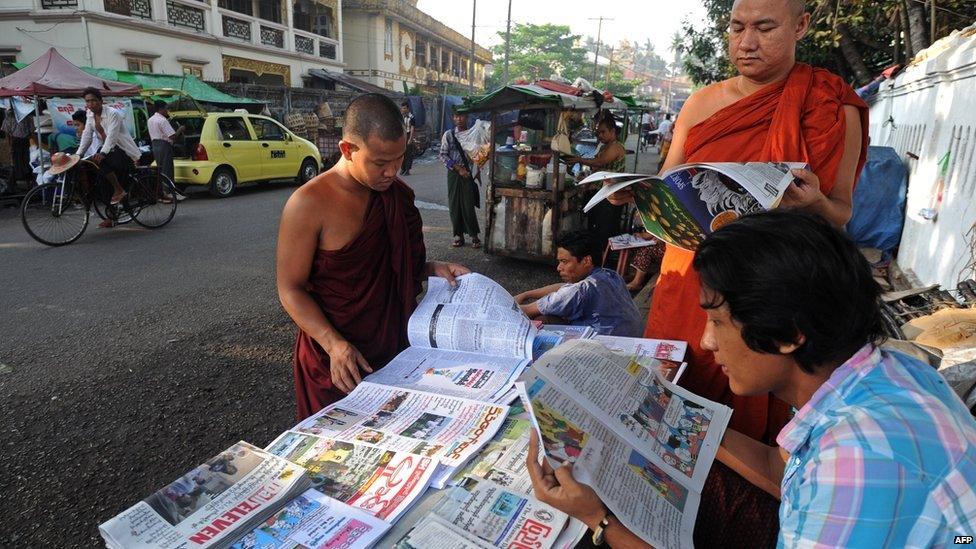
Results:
<point x="522" y="220"/>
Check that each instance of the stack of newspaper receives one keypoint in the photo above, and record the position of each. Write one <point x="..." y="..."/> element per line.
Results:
<point x="212" y="505"/>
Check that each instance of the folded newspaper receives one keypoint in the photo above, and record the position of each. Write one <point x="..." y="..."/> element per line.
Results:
<point x="644" y="444"/>
<point x="212" y="505"/>
<point x="470" y="341"/>
<point x="689" y="202"/>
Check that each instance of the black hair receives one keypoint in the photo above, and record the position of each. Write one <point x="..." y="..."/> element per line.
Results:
<point x="579" y="244"/>
<point x="80" y="116"/>
<point x="667" y="116"/>
<point x="786" y="273"/>
<point x="405" y="104"/>
<point x="160" y="105"/>
<point x="607" y="120"/>
<point x="92" y="91"/>
<point x="373" y="114"/>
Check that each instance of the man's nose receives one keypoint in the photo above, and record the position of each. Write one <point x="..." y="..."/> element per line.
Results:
<point x="749" y="40"/>
<point x="708" y="339"/>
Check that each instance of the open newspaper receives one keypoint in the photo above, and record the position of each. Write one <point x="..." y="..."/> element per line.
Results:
<point x="689" y="202"/>
<point x="644" y="444"/>
<point x="669" y="353"/>
<point x="448" y="429"/>
<point x="469" y="341"/>
<point x="315" y="521"/>
<point x="212" y="505"/>
<point x="384" y="483"/>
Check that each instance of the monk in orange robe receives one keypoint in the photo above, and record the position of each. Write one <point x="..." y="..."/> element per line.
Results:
<point x="775" y="110"/>
<point x="351" y="258"/>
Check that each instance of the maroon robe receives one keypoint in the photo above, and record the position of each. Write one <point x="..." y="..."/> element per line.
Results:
<point x="367" y="290"/>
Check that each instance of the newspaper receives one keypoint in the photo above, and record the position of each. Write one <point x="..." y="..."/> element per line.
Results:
<point x="644" y="444"/>
<point x="469" y="341"/>
<point x="670" y="354"/>
<point x="690" y="201"/>
<point x="316" y="521"/>
<point x="433" y="532"/>
<point x="628" y="241"/>
<point x="385" y="483"/>
<point x="212" y="505"/>
<point x="476" y="316"/>
<point x="448" y="429"/>
<point x="500" y="516"/>
<point x="553" y="334"/>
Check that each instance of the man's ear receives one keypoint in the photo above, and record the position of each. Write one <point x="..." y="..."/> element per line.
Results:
<point x="787" y="348"/>
<point x="802" y="26"/>
<point x="347" y="148"/>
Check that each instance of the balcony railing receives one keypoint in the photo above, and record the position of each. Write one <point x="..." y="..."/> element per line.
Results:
<point x="236" y="28"/>
<point x="58" y="4"/>
<point x="327" y="50"/>
<point x="272" y="37"/>
<point x="304" y="44"/>
<point x="132" y="8"/>
<point x="181" y="15"/>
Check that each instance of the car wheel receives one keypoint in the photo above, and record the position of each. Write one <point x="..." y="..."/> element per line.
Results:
<point x="309" y="169"/>
<point x="223" y="183"/>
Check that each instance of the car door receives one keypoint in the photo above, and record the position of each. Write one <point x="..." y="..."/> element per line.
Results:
<point x="277" y="155"/>
<point x="239" y="148"/>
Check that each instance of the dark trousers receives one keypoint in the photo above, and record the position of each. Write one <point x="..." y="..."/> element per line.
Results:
<point x="603" y="221"/>
<point x="408" y="158"/>
<point x="460" y="201"/>
<point x="20" y="156"/>
<point x="163" y="154"/>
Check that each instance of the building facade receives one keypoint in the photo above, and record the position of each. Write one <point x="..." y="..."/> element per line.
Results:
<point x="274" y="42"/>
<point x="395" y="45"/>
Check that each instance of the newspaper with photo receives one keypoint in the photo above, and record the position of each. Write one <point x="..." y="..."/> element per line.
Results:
<point x="551" y="335"/>
<point x="644" y="444"/>
<point x="669" y="353"/>
<point x="448" y="429"/>
<point x="382" y="482"/>
<point x="315" y="521"/>
<point x="470" y="340"/>
<point x="688" y="202"/>
<point x="629" y="241"/>
<point x="211" y="505"/>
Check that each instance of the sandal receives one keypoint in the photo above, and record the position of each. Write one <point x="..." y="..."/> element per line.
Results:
<point x="476" y="242"/>
<point x="458" y="241"/>
<point x="118" y="199"/>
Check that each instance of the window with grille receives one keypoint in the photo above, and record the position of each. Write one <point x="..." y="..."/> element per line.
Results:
<point x="193" y="70"/>
<point x="135" y="64"/>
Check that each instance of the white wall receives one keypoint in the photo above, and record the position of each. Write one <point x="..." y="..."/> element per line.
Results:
<point x="932" y="106"/>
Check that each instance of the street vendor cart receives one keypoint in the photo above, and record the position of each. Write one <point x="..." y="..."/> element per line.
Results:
<point x="529" y="196"/>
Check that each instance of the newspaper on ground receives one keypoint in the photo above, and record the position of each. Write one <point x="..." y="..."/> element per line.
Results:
<point x="644" y="444"/>
<point x="448" y="429"/>
<point x="553" y="334"/>
<point x="629" y="241"/>
<point x="690" y="201"/>
<point x="669" y="353"/>
<point x="212" y="505"/>
<point x="433" y="532"/>
<point x="316" y="521"/>
<point x="500" y="516"/>
<point x="469" y="341"/>
<point x="384" y="483"/>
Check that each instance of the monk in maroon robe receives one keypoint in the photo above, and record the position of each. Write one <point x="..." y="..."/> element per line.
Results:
<point x="351" y="259"/>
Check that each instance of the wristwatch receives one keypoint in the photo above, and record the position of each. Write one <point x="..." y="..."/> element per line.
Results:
<point x="601" y="529"/>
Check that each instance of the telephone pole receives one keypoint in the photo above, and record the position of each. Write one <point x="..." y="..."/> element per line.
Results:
<point x="599" y="29"/>
<point x="474" y="12"/>
<point x="609" y="68"/>
<point x="508" y="32"/>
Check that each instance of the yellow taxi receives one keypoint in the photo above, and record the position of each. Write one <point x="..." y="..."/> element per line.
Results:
<point x="225" y="149"/>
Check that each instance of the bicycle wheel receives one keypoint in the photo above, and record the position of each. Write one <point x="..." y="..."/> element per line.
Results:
<point x="151" y="199"/>
<point x="55" y="213"/>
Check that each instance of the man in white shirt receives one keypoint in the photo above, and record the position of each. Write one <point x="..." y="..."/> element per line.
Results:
<point x="665" y="131"/>
<point x="162" y="134"/>
<point x="409" y="124"/>
<point x="119" y="152"/>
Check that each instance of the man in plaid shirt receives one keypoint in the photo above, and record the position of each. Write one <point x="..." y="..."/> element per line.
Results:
<point x="881" y="452"/>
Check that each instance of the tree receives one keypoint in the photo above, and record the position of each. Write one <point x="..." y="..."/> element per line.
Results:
<point x="540" y="51"/>
<point x="854" y="38"/>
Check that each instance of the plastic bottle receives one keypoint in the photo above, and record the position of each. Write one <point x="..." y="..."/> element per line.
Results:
<point x="521" y="168"/>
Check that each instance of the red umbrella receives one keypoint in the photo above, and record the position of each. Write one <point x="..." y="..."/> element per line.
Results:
<point x="52" y="75"/>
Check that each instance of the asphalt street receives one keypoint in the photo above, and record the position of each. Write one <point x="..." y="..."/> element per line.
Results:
<point x="131" y="356"/>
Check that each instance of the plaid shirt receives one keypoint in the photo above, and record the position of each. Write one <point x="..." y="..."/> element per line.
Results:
<point x="883" y="455"/>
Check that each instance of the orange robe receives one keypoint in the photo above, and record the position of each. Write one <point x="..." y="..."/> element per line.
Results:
<point x="800" y="119"/>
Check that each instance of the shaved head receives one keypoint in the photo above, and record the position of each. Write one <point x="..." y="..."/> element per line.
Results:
<point x="797" y="7"/>
<point x="372" y="115"/>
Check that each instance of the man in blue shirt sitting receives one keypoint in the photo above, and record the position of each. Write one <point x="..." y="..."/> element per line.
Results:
<point x="591" y="296"/>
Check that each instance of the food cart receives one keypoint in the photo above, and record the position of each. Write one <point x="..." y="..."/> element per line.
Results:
<point x="530" y="197"/>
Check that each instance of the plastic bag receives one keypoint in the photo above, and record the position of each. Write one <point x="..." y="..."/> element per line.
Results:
<point x="476" y="141"/>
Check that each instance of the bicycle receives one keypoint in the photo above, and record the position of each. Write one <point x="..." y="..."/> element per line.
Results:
<point x="57" y="213"/>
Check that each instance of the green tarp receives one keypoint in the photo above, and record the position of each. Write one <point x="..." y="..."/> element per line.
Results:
<point x="193" y="86"/>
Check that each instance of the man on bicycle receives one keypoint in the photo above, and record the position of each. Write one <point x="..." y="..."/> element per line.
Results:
<point x="118" y="154"/>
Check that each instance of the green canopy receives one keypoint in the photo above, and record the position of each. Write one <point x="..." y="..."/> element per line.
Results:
<point x="514" y="95"/>
<point x="193" y="86"/>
